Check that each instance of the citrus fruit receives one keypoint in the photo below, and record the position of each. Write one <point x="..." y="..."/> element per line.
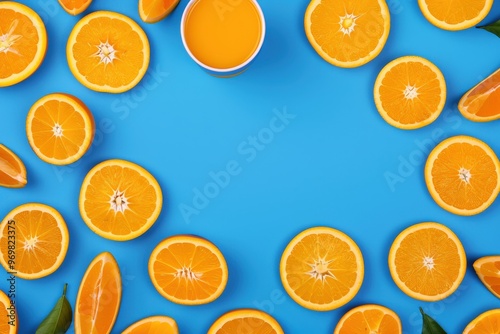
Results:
<point x="488" y="270"/>
<point x="347" y="33"/>
<point x="152" y="11"/>
<point x="33" y="241"/>
<point x="322" y="268"/>
<point x="188" y="270"/>
<point x="455" y="14"/>
<point x="480" y="104"/>
<point x="486" y="323"/>
<point x="245" y="321"/>
<point x="366" y="319"/>
<point x="12" y="170"/>
<point x="153" y="325"/>
<point x="410" y="92"/>
<point x="7" y="314"/>
<point x="23" y="42"/>
<point x="75" y="7"/>
<point x="427" y="261"/>
<point x="60" y="128"/>
<point x="120" y="200"/>
<point x="99" y="296"/>
<point x="462" y="174"/>
<point x="108" y="52"/>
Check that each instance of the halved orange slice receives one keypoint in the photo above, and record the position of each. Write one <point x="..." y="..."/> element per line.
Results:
<point x="188" y="270"/>
<point x="486" y="323"/>
<point x="481" y="103"/>
<point x="153" y="325"/>
<point x="33" y="241"/>
<point x="152" y="11"/>
<point x="462" y="174"/>
<point x="246" y="321"/>
<point x="369" y="319"/>
<point x="322" y="268"/>
<point x="7" y="314"/>
<point x="12" y="170"/>
<point x="23" y="42"/>
<point x="75" y="7"/>
<point x="488" y="270"/>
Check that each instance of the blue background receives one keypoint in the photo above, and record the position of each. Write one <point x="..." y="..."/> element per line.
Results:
<point x="329" y="165"/>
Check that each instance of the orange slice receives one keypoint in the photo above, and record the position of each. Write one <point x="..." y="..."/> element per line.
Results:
<point x="7" y="314"/>
<point x="23" y="42"/>
<point x="322" y="268"/>
<point x="455" y="14"/>
<point x="369" y="319"/>
<point x="99" y="296"/>
<point x="33" y="241"/>
<point x="246" y="321"/>
<point x="463" y="175"/>
<point x="120" y="200"/>
<point x="427" y="261"/>
<point x="488" y="270"/>
<point x="152" y="11"/>
<point x="486" y="323"/>
<point x="75" y="7"/>
<point x="480" y="104"/>
<point x="188" y="270"/>
<point x="410" y="92"/>
<point x="108" y="52"/>
<point x="12" y="170"/>
<point x="153" y="325"/>
<point x="60" y="128"/>
<point x="347" y="33"/>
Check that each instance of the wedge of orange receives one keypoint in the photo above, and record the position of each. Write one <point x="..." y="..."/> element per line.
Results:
<point x="23" y="42"/>
<point x="120" y="200"/>
<point x="188" y="270"/>
<point x="481" y="103"/>
<point x="153" y="325"/>
<point x="33" y="241"/>
<point x="410" y="92"/>
<point x="60" y="128"/>
<point x="99" y="296"/>
<point x="152" y="11"/>
<point x="455" y="14"/>
<point x="246" y="321"/>
<point x="486" y="323"/>
<point x="322" y="268"/>
<point x="462" y="174"/>
<point x="7" y="313"/>
<point x="12" y="170"/>
<point x="427" y="261"/>
<point x="347" y="33"/>
<point x="488" y="270"/>
<point x="108" y="52"/>
<point x="75" y="7"/>
<point x="366" y="319"/>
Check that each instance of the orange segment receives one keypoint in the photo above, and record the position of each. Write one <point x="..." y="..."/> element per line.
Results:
<point x="410" y="92"/>
<point x="108" y="52"/>
<point x="99" y="296"/>
<point x="481" y="103"/>
<point x="60" y="128"/>
<point x="37" y="237"/>
<point x="427" y="261"/>
<point x="322" y="268"/>
<point x="486" y="323"/>
<point x="12" y="170"/>
<point x="7" y="314"/>
<point x="75" y="7"/>
<point x="120" y="200"/>
<point x="463" y="175"/>
<point x="188" y="270"/>
<point x="152" y="11"/>
<point x="347" y="33"/>
<point x="153" y="325"/>
<point x="246" y="321"/>
<point x="488" y="270"/>
<point x="367" y="319"/>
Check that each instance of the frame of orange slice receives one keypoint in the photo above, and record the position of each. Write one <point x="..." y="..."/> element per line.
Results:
<point x="374" y="318"/>
<point x="155" y="324"/>
<point x="322" y="268"/>
<point x="481" y="103"/>
<point x="347" y="33"/>
<point x="120" y="200"/>
<point x="188" y="270"/>
<point x="12" y="170"/>
<point x="485" y="323"/>
<point x="246" y="321"/>
<point x="427" y="261"/>
<point x="37" y="237"/>
<point x="7" y="314"/>
<point x="410" y="92"/>
<point x="108" y="52"/>
<point x="487" y="269"/>
<point x="152" y="11"/>
<point x="60" y="128"/>
<point x="462" y="174"/>
<point x="75" y="7"/>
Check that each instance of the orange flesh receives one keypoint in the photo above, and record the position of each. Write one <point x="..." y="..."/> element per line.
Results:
<point x="5" y="328"/>
<point x="484" y="99"/>
<point x="246" y="325"/>
<point x="75" y="6"/>
<point x="154" y="327"/>
<point x="455" y="11"/>
<point x="489" y="324"/>
<point x="490" y="275"/>
<point x="154" y="10"/>
<point x="370" y="321"/>
<point x="12" y="170"/>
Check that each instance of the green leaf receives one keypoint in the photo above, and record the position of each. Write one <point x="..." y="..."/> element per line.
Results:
<point x="494" y="28"/>
<point x="430" y="325"/>
<point x="59" y="319"/>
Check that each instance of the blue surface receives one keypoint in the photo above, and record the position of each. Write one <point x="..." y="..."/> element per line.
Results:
<point x="327" y="166"/>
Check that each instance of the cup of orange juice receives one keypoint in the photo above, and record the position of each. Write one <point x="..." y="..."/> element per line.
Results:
<point x="223" y="36"/>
